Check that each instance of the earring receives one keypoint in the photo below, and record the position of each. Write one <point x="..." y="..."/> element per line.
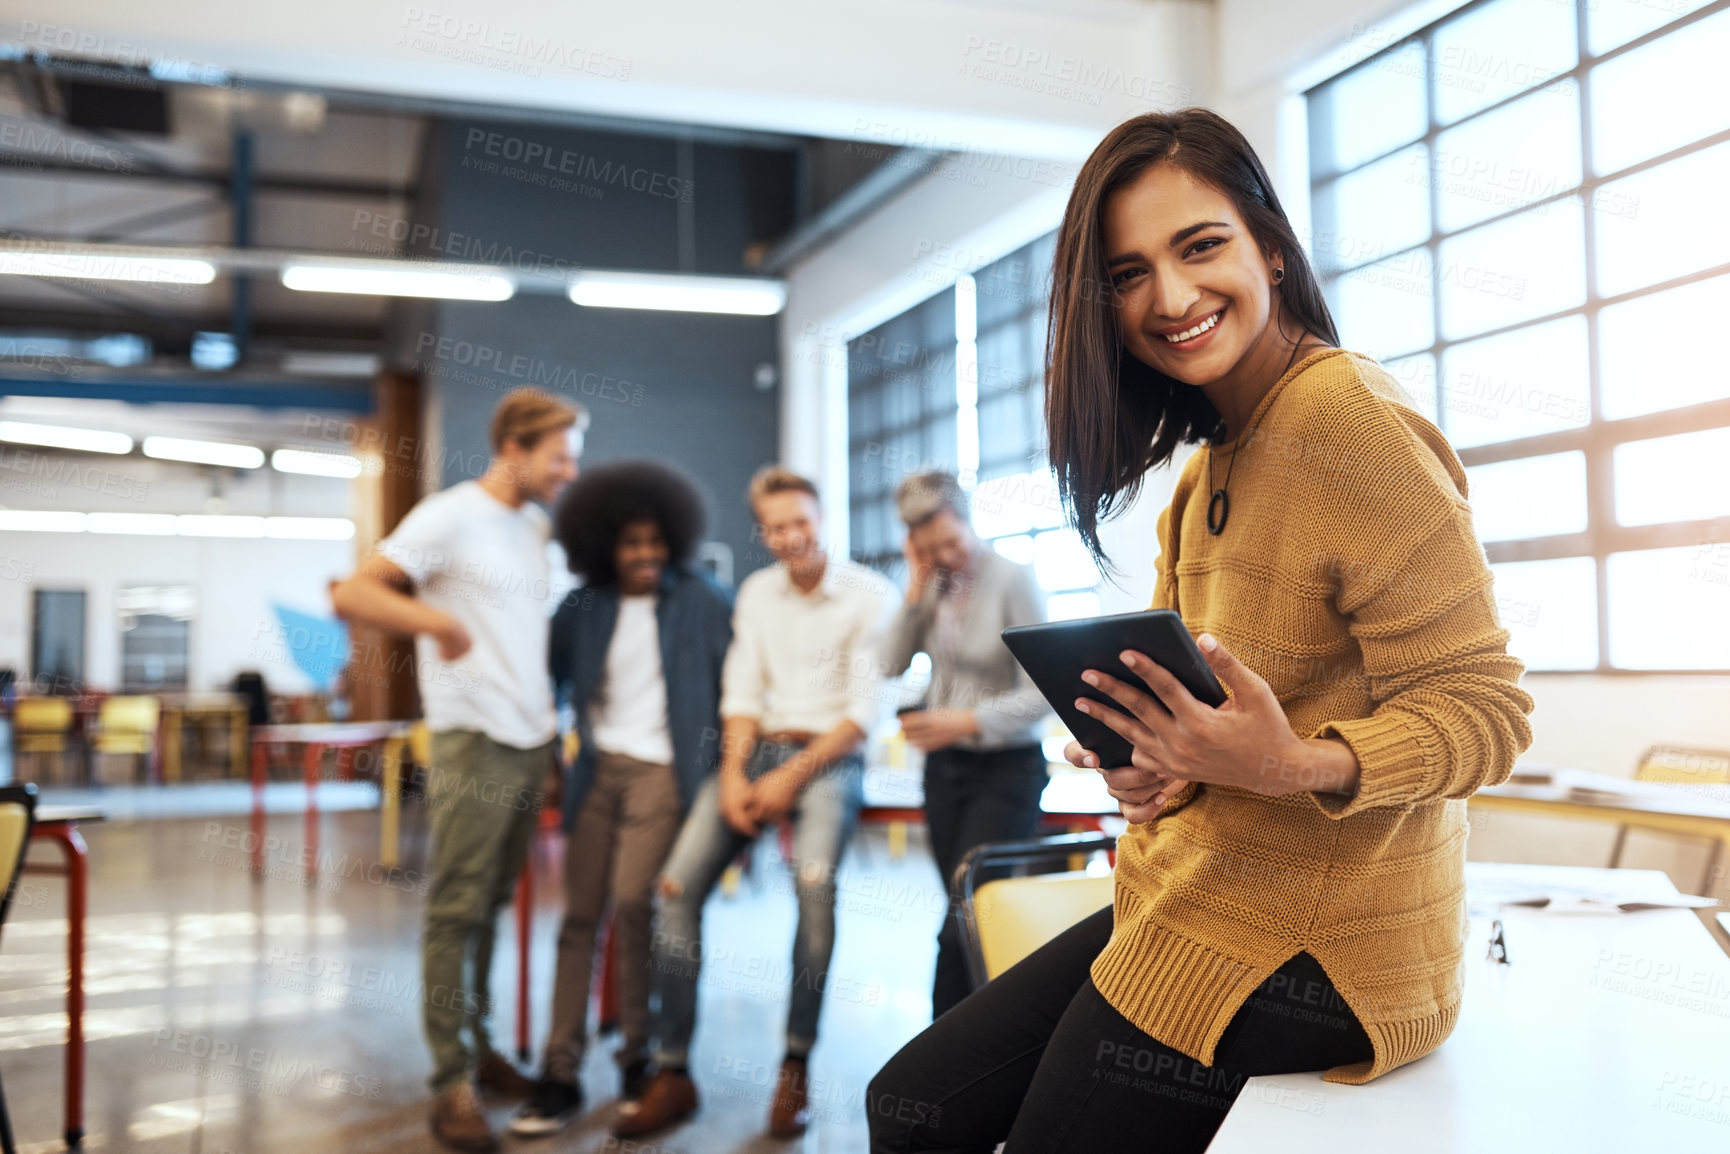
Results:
<point x="1278" y="275"/>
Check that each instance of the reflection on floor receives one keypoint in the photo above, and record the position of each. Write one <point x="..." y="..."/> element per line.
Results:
<point x="228" y="1016"/>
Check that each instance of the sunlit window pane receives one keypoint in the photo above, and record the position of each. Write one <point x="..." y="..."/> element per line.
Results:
<point x="1015" y="504"/>
<point x="1670" y="608"/>
<point x="1069" y="606"/>
<point x="1417" y="377"/>
<point x="1379" y="209"/>
<point x="1384" y="308"/>
<point x="1529" y="497"/>
<point x="1061" y="561"/>
<point x="1681" y="478"/>
<point x="1661" y="95"/>
<point x="1507" y="159"/>
<point x="1372" y="110"/>
<point x="1494" y="51"/>
<point x="1550" y="610"/>
<point x="1665" y="222"/>
<point x="1522" y="267"/>
<point x="1519" y="384"/>
<point x="1018" y="549"/>
<point x="1612" y="23"/>
<point x="1662" y="351"/>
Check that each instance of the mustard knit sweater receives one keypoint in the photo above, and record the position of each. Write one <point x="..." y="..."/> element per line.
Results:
<point x="1349" y="578"/>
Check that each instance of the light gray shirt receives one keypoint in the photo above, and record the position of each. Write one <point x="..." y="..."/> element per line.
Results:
<point x="974" y="670"/>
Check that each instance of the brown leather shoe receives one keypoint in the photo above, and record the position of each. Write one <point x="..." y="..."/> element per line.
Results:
<point x="669" y="1098"/>
<point x="788" y="1114"/>
<point x="457" y="1121"/>
<point x="496" y="1077"/>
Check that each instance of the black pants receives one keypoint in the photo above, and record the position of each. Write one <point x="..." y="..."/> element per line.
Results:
<point x="1040" y="1058"/>
<point x="972" y="797"/>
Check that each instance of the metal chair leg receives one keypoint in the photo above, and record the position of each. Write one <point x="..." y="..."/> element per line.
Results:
<point x="1621" y="844"/>
<point x="6" y="1143"/>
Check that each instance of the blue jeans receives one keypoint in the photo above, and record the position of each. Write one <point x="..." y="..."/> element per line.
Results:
<point x="823" y="819"/>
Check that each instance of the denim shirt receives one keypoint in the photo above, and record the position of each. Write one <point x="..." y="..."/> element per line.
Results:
<point x="694" y="616"/>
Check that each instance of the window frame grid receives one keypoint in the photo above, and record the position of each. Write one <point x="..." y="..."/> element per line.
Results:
<point x="1598" y="438"/>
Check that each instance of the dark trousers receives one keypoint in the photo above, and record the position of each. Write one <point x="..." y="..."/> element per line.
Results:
<point x="972" y="797"/>
<point x="1038" y="1057"/>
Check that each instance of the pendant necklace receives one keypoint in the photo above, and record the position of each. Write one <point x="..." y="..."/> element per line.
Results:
<point x="1219" y="504"/>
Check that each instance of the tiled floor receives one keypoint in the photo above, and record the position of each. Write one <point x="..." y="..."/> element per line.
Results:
<point x="228" y="1015"/>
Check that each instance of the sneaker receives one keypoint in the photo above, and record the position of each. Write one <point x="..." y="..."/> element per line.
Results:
<point x="457" y="1121"/>
<point x="788" y="1113"/>
<point x="669" y="1097"/>
<point x="636" y="1078"/>
<point x="495" y="1077"/>
<point x="550" y="1108"/>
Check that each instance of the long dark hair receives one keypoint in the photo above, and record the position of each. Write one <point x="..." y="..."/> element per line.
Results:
<point x="1110" y="418"/>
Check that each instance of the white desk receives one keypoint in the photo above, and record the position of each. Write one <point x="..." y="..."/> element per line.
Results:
<point x="1605" y="1032"/>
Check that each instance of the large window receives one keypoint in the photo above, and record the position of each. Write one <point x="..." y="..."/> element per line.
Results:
<point x="958" y="383"/>
<point x="901" y="419"/>
<point x="1015" y="505"/>
<point x="1520" y="211"/>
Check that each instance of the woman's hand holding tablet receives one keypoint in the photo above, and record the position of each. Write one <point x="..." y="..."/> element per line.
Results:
<point x="1149" y="733"/>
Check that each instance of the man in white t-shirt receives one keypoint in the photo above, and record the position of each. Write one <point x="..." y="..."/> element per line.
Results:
<point x="467" y="574"/>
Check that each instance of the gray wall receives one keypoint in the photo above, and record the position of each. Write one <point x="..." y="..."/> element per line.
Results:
<point x="674" y="386"/>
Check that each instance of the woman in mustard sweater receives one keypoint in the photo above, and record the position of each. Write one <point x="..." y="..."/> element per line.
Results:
<point x="1289" y="893"/>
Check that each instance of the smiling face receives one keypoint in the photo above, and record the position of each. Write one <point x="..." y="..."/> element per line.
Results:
<point x="1193" y="292"/>
<point x="640" y="556"/>
<point x="791" y="525"/>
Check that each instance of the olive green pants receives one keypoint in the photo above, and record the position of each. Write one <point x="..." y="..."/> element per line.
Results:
<point x="484" y="799"/>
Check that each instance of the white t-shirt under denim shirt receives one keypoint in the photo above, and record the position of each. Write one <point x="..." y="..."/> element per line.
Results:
<point x="487" y="565"/>
<point x="631" y="716"/>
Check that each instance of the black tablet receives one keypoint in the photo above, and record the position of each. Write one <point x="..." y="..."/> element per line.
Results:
<point x="1054" y="655"/>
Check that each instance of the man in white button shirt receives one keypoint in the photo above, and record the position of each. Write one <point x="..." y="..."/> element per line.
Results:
<point x="800" y="693"/>
<point x="467" y="573"/>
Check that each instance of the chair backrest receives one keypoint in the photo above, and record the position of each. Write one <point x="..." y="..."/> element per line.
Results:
<point x="129" y="714"/>
<point x="17" y="815"/>
<point x="1672" y="763"/>
<point x="42" y="714"/>
<point x="1004" y="920"/>
<point x="1016" y="916"/>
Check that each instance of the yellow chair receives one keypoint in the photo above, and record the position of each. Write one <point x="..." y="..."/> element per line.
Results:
<point x="127" y="726"/>
<point x="1006" y="919"/>
<point x="17" y="815"/>
<point x="1675" y="765"/>
<point x="41" y="727"/>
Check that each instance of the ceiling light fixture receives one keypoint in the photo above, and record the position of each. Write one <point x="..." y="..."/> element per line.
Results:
<point x="63" y="437"/>
<point x="203" y="452"/>
<point x="315" y="464"/>
<point x="673" y="292"/>
<point x="107" y="266"/>
<point x="409" y="281"/>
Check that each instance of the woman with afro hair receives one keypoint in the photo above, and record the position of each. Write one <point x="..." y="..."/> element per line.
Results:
<point x="636" y="652"/>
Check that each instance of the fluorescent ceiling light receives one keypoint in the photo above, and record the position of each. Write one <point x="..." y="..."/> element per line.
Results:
<point x="309" y="528"/>
<point x="62" y="437"/>
<point x="315" y="464"/>
<point x="41" y="521"/>
<point x="203" y="452"/>
<point x="670" y="292"/>
<point x="204" y="525"/>
<point x="108" y="266"/>
<point x="312" y="364"/>
<point x="137" y="524"/>
<point x="406" y="282"/>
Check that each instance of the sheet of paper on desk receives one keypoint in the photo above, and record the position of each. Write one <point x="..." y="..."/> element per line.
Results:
<point x="1493" y="885"/>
